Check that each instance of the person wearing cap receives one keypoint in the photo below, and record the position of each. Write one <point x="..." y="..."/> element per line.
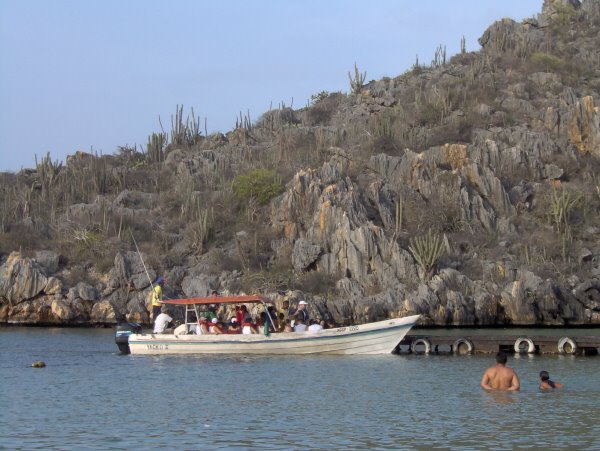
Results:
<point x="234" y="326"/>
<point x="157" y="297"/>
<point x="301" y="313"/>
<point x="161" y="321"/>
<point x="215" y="327"/>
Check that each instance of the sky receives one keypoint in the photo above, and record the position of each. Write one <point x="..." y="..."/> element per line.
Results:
<point x="94" y="75"/>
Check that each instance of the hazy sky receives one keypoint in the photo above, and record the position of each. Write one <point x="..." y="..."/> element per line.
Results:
<point x="93" y="75"/>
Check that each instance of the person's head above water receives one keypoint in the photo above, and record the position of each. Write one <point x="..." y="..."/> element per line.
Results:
<point x="501" y="358"/>
<point x="544" y="375"/>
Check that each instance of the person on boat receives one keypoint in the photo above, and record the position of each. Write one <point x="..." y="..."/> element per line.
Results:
<point x="272" y="319"/>
<point x="248" y="328"/>
<point x="330" y="324"/>
<point x="286" y="311"/>
<point x="288" y="326"/>
<point x="500" y="377"/>
<point x="302" y="313"/>
<point x="546" y="383"/>
<point x="162" y="320"/>
<point x="211" y="312"/>
<point x="157" y="296"/>
<point x="215" y="327"/>
<point x="202" y="328"/>
<point x="315" y="326"/>
<point x="234" y="327"/>
<point x="299" y="325"/>
<point x="242" y="314"/>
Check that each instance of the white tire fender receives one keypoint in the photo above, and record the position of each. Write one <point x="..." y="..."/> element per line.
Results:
<point x="421" y="341"/>
<point x="530" y="345"/>
<point x="461" y="343"/>
<point x="567" y="345"/>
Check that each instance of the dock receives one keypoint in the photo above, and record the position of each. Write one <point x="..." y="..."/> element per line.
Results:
<point x="488" y="344"/>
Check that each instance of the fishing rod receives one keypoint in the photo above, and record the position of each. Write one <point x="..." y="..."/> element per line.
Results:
<point x="142" y="260"/>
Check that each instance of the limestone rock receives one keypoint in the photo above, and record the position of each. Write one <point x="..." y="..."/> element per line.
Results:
<point x="305" y="254"/>
<point x="48" y="260"/>
<point x="21" y="279"/>
<point x="103" y="312"/>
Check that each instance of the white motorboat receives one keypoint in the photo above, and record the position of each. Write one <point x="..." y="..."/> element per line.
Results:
<point x="380" y="337"/>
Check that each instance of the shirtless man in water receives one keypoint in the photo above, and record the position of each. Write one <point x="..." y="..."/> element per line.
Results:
<point x="499" y="377"/>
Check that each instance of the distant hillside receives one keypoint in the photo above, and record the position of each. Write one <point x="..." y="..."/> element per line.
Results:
<point x="466" y="190"/>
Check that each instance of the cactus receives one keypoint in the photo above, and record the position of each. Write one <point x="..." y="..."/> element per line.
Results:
<point x="184" y="133"/>
<point x="155" y="148"/>
<point x="562" y="204"/>
<point x="427" y="251"/>
<point x="48" y="172"/>
<point x="357" y="83"/>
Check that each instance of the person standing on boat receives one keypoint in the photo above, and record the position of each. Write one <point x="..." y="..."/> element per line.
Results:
<point x="500" y="377"/>
<point x="302" y="312"/>
<point x="157" y="297"/>
<point x="162" y="320"/>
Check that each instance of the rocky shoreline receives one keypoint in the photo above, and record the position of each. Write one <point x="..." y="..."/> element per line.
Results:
<point x="466" y="191"/>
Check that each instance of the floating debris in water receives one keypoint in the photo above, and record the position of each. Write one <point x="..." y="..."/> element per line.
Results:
<point x="38" y="364"/>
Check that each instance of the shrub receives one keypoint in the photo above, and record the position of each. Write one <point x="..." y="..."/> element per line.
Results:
<point x="260" y="184"/>
<point x="547" y="61"/>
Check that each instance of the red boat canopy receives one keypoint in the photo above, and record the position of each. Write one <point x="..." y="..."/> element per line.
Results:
<point x="219" y="300"/>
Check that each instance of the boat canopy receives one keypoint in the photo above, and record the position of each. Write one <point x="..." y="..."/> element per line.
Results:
<point x="242" y="299"/>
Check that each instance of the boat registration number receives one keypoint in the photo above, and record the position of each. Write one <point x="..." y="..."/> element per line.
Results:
<point x="347" y="329"/>
<point x="157" y="347"/>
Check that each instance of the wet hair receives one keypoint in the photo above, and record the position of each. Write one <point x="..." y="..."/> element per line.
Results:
<point x="501" y="357"/>
<point x="544" y="375"/>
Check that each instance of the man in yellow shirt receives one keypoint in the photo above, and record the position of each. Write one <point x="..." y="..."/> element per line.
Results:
<point x="157" y="297"/>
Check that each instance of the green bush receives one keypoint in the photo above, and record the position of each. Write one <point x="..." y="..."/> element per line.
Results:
<point x="547" y="61"/>
<point x="260" y="184"/>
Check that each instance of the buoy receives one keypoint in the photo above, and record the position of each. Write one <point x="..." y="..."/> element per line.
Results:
<point x="463" y="346"/>
<point x="530" y="346"/>
<point x="38" y="364"/>
<point x="421" y="341"/>
<point x="567" y="345"/>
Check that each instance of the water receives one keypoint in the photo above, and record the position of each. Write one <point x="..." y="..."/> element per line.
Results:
<point x="89" y="397"/>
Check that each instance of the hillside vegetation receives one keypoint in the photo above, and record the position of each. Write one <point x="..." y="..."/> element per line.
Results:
<point x="466" y="190"/>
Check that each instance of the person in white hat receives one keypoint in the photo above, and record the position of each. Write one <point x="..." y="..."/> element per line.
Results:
<point x="215" y="327"/>
<point x="302" y="312"/>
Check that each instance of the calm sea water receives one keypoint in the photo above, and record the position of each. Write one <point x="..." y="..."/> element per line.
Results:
<point x="89" y="397"/>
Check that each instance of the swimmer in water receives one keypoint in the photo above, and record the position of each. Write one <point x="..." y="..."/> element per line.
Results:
<point x="546" y="383"/>
<point x="500" y="377"/>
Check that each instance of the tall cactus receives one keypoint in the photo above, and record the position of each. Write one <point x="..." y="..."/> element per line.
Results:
<point x="357" y="83"/>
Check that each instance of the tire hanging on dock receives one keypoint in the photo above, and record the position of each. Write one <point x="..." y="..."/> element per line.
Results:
<point x="567" y="345"/>
<point x="530" y="345"/>
<point x="460" y="344"/>
<point x="421" y="341"/>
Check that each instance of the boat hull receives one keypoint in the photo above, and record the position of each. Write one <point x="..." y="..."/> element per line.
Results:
<point x="372" y="338"/>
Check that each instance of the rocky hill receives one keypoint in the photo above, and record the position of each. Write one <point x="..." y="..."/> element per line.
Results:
<point x="466" y="190"/>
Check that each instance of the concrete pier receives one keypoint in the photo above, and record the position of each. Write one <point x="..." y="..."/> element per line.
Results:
<point x="521" y="344"/>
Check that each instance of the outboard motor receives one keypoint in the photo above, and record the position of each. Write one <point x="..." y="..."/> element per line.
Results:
<point x="122" y="333"/>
